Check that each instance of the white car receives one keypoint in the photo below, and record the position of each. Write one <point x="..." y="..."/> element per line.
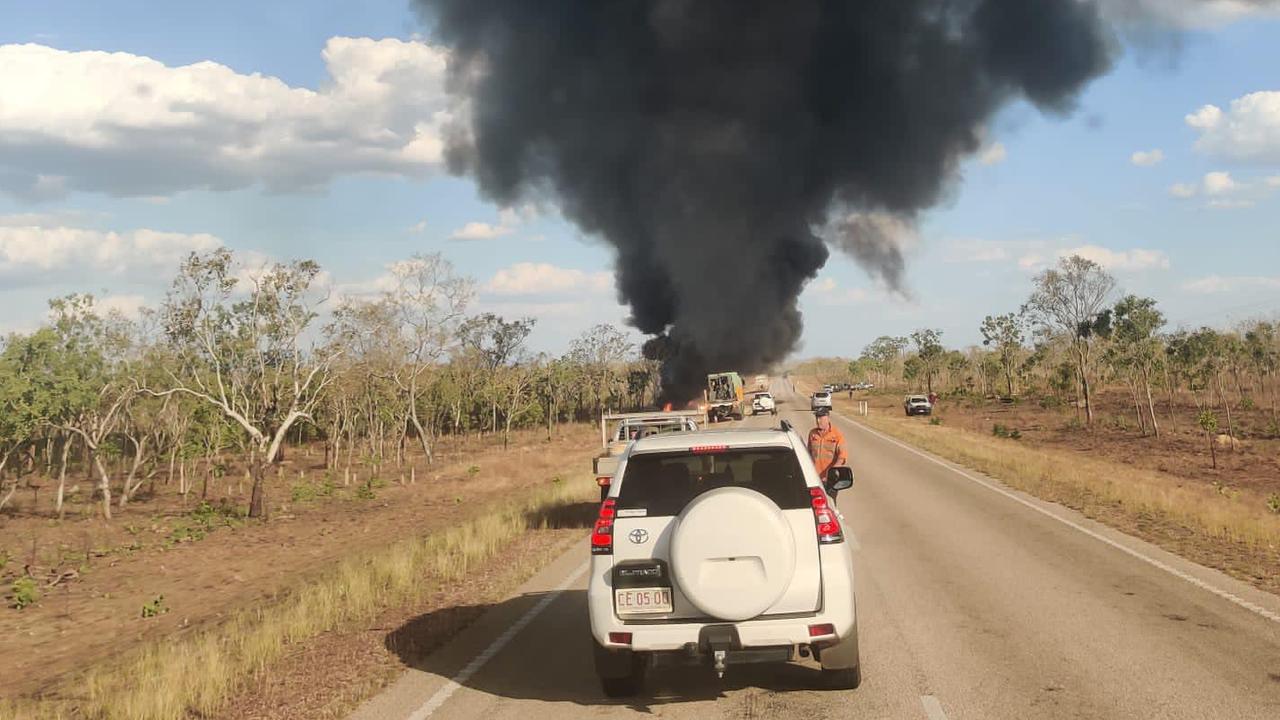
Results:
<point x="821" y="399"/>
<point x="763" y="403"/>
<point x="917" y="405"/>
<point x="721" y="548"/>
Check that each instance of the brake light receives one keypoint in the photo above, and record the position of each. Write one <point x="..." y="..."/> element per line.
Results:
<point x="619" y="638"/>
<point x="602" y="533"/>
<point x="707" y="449"/>
<point x="604" y="481"/>
<point x="828" y="523"/>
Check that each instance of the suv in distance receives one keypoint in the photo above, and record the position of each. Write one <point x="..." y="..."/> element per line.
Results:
<point x="917" y="405"/>
<point x="763" y="403"/>
<point x="721" y="548"/>
<point x="822" y="398"/>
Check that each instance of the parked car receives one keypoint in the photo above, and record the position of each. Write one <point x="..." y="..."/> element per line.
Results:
<point x="721" y="548"/>
<point x="917" y="405"/>
<point x="820" y="399"/>
<point x="763" y="403"/>
<point x="627" y="427"/>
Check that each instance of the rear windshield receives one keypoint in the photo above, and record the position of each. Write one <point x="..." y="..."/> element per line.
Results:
<point x="663" y="483"/>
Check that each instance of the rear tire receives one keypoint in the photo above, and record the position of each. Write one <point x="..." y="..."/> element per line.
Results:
<point x="621" y="672"/>
<point x="848" y="679"/>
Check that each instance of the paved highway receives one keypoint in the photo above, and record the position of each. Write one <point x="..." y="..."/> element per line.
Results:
<point x="974" y="602"/>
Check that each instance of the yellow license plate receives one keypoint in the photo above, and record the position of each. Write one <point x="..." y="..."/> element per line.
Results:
<point x="642" y="601"/>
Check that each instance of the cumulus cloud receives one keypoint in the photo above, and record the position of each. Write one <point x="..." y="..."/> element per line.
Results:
<point x="419" y="227"/>
<point x="1183" y="190"/>
<point x="1219" y="183"/>
<point x="1219" y="284"/>
<point x="527" y="278"/>
<point x="993" y="154"/>
<point x="1136" y="259"/>
<point x="1249" y="131"/>
<point x="1147" y="158"/>
<point x="827" y="292"/>
<point x="481" y="231"/>
<point x="128" y="125"/>
<point x="34" y="253"/>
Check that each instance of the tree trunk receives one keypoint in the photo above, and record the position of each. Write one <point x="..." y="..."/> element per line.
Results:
<point x="104" y="485"/>
<point x="258" y="493"/>
<point x="62" y="477"/>
<point x="1082" y="354"/>
<point x="129" y="488"/>
<point x="422" y="436"/>
<point x="1226" y="405"/>
<point x="1213" y="449"/>
<point x="1151" y="403"/>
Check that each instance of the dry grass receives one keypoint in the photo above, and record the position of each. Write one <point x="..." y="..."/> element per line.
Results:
<point x="1078" y="481"/>
<point x="194" y="676"/>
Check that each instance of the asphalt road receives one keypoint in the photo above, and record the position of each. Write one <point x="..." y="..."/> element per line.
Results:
<point x="974" y="602"/>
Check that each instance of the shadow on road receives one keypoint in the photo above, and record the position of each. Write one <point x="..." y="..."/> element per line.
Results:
<point x="551" y="660"/>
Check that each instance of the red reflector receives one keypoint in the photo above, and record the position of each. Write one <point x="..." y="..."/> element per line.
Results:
<point x="620" y="638"/>
<point x="822" y="630"/>
<point x="704" y="449"/>
<point x="602" y="532"/>
<point x="604" y="481"/>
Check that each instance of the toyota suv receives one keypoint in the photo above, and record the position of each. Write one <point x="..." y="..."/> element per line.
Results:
<point x="820" y="399"/>
<point x="721" y="548"/>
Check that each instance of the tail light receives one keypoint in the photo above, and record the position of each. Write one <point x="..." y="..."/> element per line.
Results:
<point x="620" y="638"/>
<point x="828" y="523"/>
<point x="602" y="533"/>
<point x="604" y="481"/>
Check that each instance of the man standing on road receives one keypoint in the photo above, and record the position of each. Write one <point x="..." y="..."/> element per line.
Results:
<point x="826" y="444"/>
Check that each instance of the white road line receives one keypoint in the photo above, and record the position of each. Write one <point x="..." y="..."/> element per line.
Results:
<point x="932" y="708"/>
<point x="443" y="694"/>
<point x="1239" y="601"/>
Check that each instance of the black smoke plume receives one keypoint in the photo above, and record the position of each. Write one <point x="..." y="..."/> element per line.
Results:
<point x="711" y="141"/>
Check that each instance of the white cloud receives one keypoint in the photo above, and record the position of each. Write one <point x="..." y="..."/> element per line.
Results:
<point x="35" y="253"/>
<point x="1273" y="181"/>
<point x="1218" y="284"/>
<point x="1248" y="132"/>
<point x="1219" y="183"/>
<point x="1030" y="261"/>
<point x="1136" y="259"/>
<point x="993" y="154"/>
<point x="1183" y="190"/>
<point x="1147" y="158"/>
<point x="481" y="231"/>
<point x="419" y="227"/>
<point x="546" y="279"/>
<point x="125" y="124"/>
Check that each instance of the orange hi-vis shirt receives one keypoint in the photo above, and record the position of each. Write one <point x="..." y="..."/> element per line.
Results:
<point x="827" y="449"/>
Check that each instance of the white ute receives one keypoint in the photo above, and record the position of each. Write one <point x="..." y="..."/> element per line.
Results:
<point x="721" y="548"/>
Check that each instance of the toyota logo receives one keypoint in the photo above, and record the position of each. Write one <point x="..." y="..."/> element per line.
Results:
<point x="639" y="536"/>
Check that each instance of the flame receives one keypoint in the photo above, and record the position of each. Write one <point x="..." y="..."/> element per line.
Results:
<point x="666" y="408"/>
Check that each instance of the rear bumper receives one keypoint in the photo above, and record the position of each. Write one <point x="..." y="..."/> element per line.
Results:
<point x="837" y="609"/>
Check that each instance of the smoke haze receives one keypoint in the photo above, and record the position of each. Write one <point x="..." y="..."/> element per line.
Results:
<point x="712" y="142"/>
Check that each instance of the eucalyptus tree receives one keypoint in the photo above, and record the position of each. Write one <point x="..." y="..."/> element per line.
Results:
<point x="242" y="342"/>
<point x="1005" y="335"/>
<point x="1136" y="340"/>
<point x="1070" y="299"/>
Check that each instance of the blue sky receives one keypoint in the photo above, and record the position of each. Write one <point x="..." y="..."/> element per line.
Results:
<point x="1209" y="251"/>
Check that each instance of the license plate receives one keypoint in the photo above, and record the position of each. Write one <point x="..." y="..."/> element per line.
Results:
<point x="637" y="601"/>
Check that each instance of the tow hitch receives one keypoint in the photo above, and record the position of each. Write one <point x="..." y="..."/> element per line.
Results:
<point x="719" y="656"/>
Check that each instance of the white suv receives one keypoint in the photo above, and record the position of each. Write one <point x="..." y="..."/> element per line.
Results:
<point x="721" y="548"/>
<point x="821" y="399"/>
<point x="763" y="403"/>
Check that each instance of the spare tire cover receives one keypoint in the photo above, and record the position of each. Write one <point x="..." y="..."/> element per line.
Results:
<point x="732" y="553"/>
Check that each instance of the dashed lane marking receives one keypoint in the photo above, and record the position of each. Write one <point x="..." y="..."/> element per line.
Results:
<point x="443" y="694"/>
<point x="1229" y="597"/>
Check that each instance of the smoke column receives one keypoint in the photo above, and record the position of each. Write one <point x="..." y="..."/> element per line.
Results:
<point x="711" y="142"/>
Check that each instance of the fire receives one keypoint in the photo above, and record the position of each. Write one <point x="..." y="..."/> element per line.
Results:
<point x="666" y="408"/>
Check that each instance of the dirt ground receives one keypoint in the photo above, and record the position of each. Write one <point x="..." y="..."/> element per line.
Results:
<point x="1182" y="450"/>
<point x="195" y="568"/>
<point x="328" y="676"/>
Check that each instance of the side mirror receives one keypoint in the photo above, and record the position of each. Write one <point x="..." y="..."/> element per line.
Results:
<point x="839" y="478"/>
